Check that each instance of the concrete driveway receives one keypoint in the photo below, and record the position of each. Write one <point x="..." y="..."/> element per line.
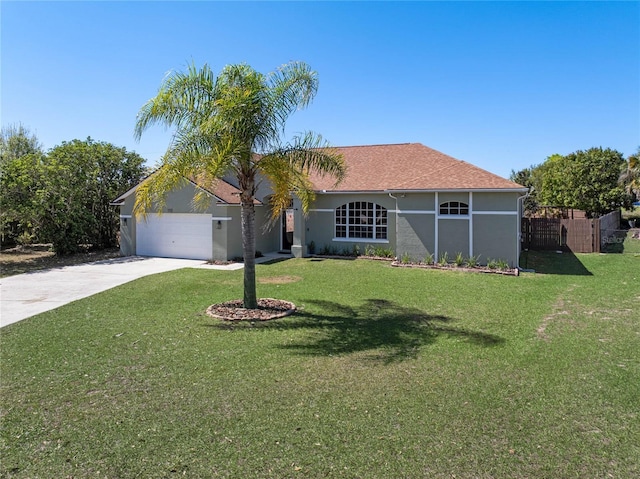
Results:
<point x="26" y="295"/>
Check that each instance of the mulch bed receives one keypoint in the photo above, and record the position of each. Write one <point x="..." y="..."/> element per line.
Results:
<point x="268" y="308"/>
<point x="480" y="269"/>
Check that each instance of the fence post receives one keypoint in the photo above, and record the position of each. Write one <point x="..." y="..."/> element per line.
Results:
<point x="596" y="235"/>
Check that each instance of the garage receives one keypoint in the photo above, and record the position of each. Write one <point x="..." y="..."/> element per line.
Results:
<point x="175" y="235"/>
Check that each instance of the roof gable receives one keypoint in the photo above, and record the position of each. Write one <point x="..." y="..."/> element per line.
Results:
<point x="408" y="166"/>
<point x="223" y="191"/>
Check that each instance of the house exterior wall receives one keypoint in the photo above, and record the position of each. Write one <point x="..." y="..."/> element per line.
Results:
<point x="453" y="238"/>
<point x="495" y="237"/>
<point x="225" y="224"/>
<point x="416" y="227"/>
<point x="319" y="225"/>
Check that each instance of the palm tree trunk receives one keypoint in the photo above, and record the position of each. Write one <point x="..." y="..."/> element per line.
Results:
<point x="248" y="215"/>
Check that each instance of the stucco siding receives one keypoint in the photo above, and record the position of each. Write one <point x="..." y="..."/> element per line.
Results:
<point x="320" y="228"/>
<point x="416" y="235"/>
<point x="127" y="228"/>
<point x="495" y="237"/>
<point x="416" y="201"/>
<point x="333" y="201"/>
<point x="269" y="240"/>
<point x="495" y="201"/>
<point x="453" y="237"/>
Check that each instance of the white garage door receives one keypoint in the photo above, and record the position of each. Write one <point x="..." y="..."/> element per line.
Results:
<point x="175" y="235"/>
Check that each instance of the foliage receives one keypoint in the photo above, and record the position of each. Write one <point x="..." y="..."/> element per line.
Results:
<point x="473" y="261"/>
<point x="405" y="258"/>
<point x="630" y="176"/>
<point x="232" y="126"/>
<point x="527" y="177"/>
<point x="80" y="178"/>
<point x="428" y="258"/>
<point x="62" y="197"/>
<point x="444" y="259"/>
<point x="459" y="259"/>
<point x="586" y="180"/>
<point x="404" y="373"/>
<point x="21" y="158"/>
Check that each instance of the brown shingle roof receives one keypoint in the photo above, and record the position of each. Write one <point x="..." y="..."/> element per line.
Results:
<point x="224" y="191"/>
<point x="408" y="166"/>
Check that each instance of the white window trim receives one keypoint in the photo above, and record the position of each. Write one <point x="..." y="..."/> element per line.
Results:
<point x="376" y="207"/>
<point x="454" y="215"/>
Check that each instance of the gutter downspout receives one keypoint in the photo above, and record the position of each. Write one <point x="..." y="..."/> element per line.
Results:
<point x="396" y="237"/>
<point x="520" y="214"/>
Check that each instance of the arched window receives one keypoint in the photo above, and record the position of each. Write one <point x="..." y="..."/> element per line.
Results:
<point x="454" y="208"/>
<point x="360" y="219"/>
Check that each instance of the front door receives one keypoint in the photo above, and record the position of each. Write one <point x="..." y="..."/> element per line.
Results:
<point x="287" y="229"/>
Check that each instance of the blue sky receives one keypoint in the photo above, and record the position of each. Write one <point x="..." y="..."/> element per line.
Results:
<point x="502" y="85"/>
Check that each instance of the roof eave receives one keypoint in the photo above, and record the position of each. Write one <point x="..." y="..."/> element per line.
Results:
<point x="457" y="190"/>
<point x="424" y="190"/>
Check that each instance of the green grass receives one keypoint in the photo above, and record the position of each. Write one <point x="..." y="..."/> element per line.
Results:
<point x="385" y="372"/>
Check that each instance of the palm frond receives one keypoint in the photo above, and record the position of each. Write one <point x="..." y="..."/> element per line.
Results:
<point x="151" y="193"/>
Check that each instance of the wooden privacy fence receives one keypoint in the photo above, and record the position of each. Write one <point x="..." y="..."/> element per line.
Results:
<point x="578" y="235"/>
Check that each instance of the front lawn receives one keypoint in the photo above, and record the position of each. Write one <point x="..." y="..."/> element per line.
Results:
<point x="384" y="373"/>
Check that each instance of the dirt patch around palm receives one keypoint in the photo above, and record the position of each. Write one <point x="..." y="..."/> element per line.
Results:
<point x="268" y="308"/>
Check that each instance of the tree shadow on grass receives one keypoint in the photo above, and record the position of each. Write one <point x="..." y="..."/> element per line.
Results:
<point x="388" y="331"/>
<point x="551" y="262"/>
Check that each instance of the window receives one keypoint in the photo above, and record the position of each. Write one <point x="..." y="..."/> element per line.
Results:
<point x="360" y="219"/>
<point x="454" y="208"/>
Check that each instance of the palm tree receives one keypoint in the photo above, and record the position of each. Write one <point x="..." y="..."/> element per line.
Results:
<point x="233" y="124"/>
<point x="630" y="176"/>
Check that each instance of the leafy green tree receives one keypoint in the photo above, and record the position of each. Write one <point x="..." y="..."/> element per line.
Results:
<point x="586" y="180"/>
<point x="525" y="177"/>
<point x="232" y="125"/>
<point x="21" y="158"/>
<point x="551" y="180"/>
<point x="79" y="180"/>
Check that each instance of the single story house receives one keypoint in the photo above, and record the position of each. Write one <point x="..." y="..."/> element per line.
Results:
<point x="407" y="198"/>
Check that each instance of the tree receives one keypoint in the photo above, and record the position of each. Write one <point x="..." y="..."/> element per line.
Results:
<point x="525" y="177"/>
<point x="233" y="124"/>
<point x="21" y="158"/>
<point x="630" y="176"/>
<point x="586" y="180"/>
<point x="79" y="180"/>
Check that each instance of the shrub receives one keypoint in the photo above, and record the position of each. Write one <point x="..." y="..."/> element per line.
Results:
<point x="472" y="261"/>
<point x="459" y="261"/>
<point x="428" y="258"/>
<point x="502" y="265"/>
<point x="406" y="259"/>
<point x="444" y="259"/>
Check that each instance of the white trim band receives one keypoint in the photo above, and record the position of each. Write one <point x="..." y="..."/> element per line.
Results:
<point x="414" y="212"/>
<point x="221" y="218"/>
<point x="507" y="213"/>
<point x="361" y="240"/>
